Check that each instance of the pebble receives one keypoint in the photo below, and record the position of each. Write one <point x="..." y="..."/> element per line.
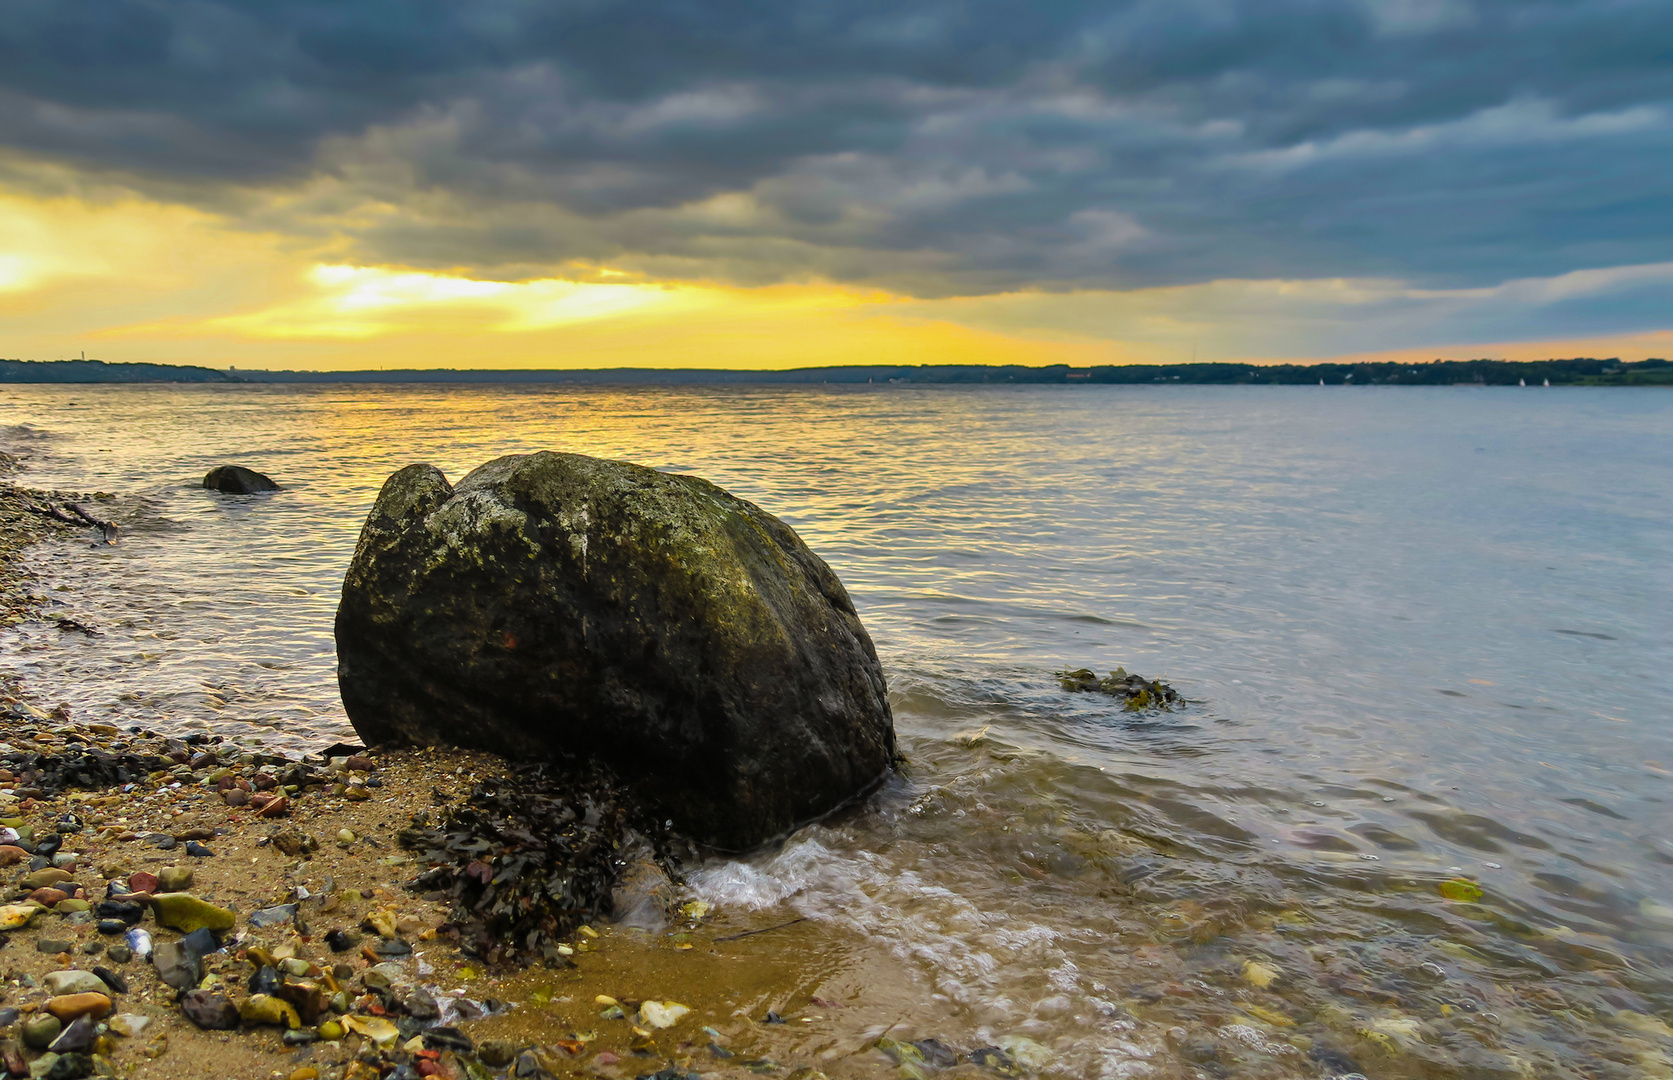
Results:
<point x="142" y="881"/>
<point x="176" y="965"/>
<point x="266" y="1009"/>
<point x="17" y="916"/>
<point x="209" y="1010"/>
<point x="272" y="916"/>
<point x="43" y="878"/>
<point x="120" y="954"/>
<point x="78" y="1038"/>
<point x="662" y="1014"/>
<point x="71" y="1006"/>
<point x="129" y="1025"/>
<point x="497" y="1053"/>
<point x="128" y="911"/>
<point x="72" y="982"/>
<point x="331" y="1030"/>
<point x="197" y="850"/>
<point x="39" y="1030"/>
<point x="52" y="945"/>
<point x="184" y="912"/>
<point x="173" y="879"/>
<point x="112" y="979"/>
<point x="345" y="836"/>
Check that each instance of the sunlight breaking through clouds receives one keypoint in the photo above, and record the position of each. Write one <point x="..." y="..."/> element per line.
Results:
<point x="366" y="301"/>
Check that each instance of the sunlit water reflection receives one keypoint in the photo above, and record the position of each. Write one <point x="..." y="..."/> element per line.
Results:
<point x="1425" y="634"/>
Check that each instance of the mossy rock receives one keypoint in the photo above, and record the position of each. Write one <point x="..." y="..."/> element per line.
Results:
<point x="554" y="605"/>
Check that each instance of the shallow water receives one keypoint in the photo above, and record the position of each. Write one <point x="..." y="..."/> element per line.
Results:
<point x="1425" y="634"/>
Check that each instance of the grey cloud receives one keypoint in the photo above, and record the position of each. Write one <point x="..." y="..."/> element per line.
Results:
<point x="928" y="146"/>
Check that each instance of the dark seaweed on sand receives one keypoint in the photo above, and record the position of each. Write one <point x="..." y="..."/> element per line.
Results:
<point x="47" y="775"/>
<point x="527" y="858"/>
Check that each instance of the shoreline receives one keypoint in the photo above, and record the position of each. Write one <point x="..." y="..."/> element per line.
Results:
<point x="130" y="803"/>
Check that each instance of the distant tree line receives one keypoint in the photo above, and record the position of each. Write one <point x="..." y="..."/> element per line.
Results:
<point x="1576" y="372"/>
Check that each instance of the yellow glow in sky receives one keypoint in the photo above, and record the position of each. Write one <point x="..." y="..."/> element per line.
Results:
<point x="131" y="279"/>
<point x="366" y="301"/>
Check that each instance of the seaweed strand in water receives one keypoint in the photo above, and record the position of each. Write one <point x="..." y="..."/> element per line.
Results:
<point x="1135" y="691"/>
<point x="526" y="858"/>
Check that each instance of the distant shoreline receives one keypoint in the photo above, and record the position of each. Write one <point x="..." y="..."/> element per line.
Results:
<point x="1580" y="371"/>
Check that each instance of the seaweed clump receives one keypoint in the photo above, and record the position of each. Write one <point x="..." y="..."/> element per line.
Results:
<point x="47" y="775"/>
<point x="527" y="858"/>
<point x="1135" y="691"/>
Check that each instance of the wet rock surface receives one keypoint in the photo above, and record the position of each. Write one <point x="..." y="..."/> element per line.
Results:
<point x="558" y="606"/>
<point x="237" y="480"/>
<point x="1135" y="692"/>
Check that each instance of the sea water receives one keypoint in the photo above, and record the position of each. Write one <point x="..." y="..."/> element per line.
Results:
<point x="1413" y="819"/>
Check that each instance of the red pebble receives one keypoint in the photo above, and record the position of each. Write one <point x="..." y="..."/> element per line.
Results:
<point x="142" y="881"/>
<point x="48" y="896"/>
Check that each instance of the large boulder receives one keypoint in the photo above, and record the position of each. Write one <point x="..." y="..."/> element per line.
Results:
<point x="557" y="605"/>
<point x="237" y="480"/>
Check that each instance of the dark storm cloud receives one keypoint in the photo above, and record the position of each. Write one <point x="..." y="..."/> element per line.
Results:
<point x="929" y="146"/>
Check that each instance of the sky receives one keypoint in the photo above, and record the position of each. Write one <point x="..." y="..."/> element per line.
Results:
<point x="586" y="183"/>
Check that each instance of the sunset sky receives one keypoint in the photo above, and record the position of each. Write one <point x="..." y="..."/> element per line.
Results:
<point x="513" y="183"/>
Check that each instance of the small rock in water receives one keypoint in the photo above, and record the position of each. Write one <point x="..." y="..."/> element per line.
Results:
<point x="197" y="850"/>
<point x="1135" y="691"/>
<point x="142" y="881"/>
<point x="266" y="980"/>
<point x="52" y="945"/>
<point x="237" y="480"/>
<point x="120" y="954"/>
